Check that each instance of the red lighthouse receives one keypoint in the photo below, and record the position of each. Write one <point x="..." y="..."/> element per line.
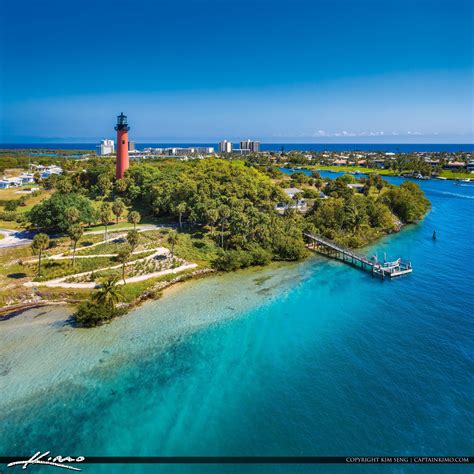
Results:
<point x="122" y="146"/>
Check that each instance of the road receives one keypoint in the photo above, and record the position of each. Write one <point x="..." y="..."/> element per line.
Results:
<point x="15" y="238"/>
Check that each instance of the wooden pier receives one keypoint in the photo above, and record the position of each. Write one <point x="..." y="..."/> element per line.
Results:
<point x="333" y="250"/>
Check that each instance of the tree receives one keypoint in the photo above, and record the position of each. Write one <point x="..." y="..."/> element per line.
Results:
<point x="109" y="294"/>
<point x="91" y="314"/>
<point x="117" y="208"/>
<point x="224" y="214"/>
<point x="123" y="256"/>
<point x="121" y="185"/>
<point x="72" y="215"/>
<point x="40" y="244"/>
<point x="134" y="218"/>
<point x="105" y="214"/>
<point x="104" y="186"/>
<point x="172" y="240"/>
<point x="407" y="201"/>
<point x="64" y="185"/>
<point x="75" y="233"/>
<point x="50" y="182"/>
<point x="181" y="209"/>
<point x="133" y="237"/>
<point x="51" y="213"/>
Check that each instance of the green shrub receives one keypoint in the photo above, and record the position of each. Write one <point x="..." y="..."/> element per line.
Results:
<point x="11" y="206"/>
<point x="9" y="216"/>
<point x="92" y="314"/>
<point x="231" y="260"/>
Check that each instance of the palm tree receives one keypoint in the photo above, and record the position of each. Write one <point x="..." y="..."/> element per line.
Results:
<point x="105" y="216"/>
<point x="40" y="243"/>
<point x="134" y="218"/>
<point x="181" y="209"/>
<point x="108" y="294"/>
<point x="72" y="215"/>
<point x="117" y="208"/>
<point x="172" y="240"/>
<point x="123" y="257"/>
<point x="133" y="237"/>
<point x="75" y="232"/>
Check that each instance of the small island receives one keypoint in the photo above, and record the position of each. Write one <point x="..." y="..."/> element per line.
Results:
<point x="104" y="244"/>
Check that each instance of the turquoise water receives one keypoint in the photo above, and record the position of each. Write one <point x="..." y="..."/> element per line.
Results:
<point x="314" y="358"/>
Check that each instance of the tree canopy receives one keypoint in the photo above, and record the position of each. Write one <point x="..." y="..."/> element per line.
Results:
<point x="233" y="202"/>
<point x="53" y="213"/>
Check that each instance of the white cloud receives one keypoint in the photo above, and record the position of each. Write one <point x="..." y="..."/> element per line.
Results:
<point x="320" y="133"/>
<point x="350" y="133"/>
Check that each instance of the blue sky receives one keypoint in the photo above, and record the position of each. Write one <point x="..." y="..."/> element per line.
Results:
<point x="356" y="71"/>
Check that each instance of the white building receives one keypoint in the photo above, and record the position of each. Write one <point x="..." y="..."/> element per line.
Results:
<point x="27" y="178"/>
<point x="10" y="183"/>
<point x="49" y="170"/>
<point x="106" y="147"/>
<point x="204" y="150"/>
<point x="225" y="147"/>
<point x="298" y="204"/>
<point x="250" y="145"/>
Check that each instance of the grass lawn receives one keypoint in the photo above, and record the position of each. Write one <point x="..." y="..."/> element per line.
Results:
<point x="58" y="268"/>
<point x="456" y="175"/>
<point x="132" y="291"/>
<point x="444" y="173"/>
<point x="147" y="241"/>
<point x="10" y="225"/>
<point x="12" y="194"/>
<point x="195" y="246"/>
<point x="108" y="247"/>
<point x="347" y="169"/>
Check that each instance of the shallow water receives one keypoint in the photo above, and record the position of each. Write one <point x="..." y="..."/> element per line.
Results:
<point x="314" y="358"/>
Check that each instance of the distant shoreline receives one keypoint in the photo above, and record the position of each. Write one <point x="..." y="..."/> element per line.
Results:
<point x="360" y="170"/>
<point x="339" y="147"/>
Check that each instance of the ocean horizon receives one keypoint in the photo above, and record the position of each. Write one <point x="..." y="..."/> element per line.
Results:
<point x="341" y="147"/>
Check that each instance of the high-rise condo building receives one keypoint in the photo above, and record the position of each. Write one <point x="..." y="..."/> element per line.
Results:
<point x="250" y="145"/>
<point x="131" y="146"/>
<point x="225" y="147"/>
<point x="106" y="147"/>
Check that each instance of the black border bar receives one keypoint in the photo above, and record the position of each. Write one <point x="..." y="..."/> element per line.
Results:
<point x="261" y="460"/>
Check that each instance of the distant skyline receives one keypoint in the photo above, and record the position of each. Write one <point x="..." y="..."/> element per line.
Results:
<point x="301" y="71"/>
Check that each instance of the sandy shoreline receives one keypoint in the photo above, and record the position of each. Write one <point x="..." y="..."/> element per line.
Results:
<point x="9" y="312"/>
